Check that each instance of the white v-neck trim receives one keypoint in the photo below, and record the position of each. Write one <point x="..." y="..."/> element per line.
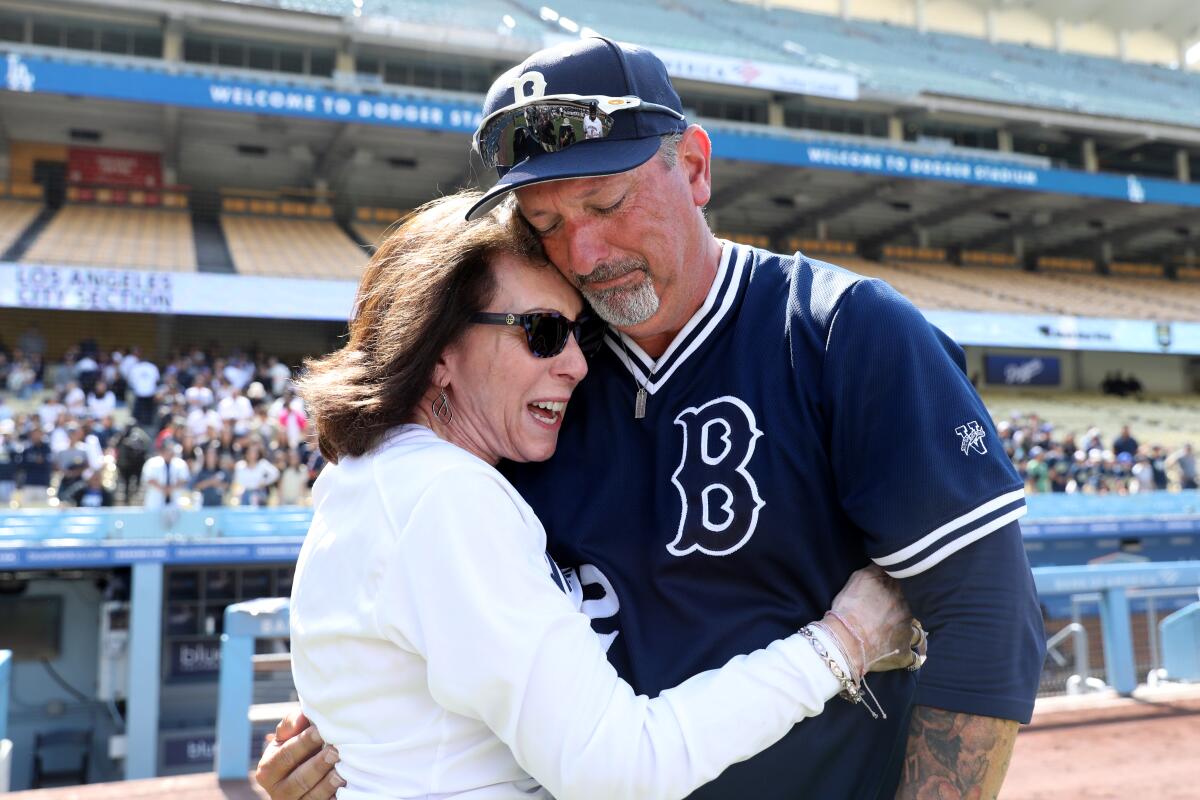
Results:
<point x="721" y="295"/>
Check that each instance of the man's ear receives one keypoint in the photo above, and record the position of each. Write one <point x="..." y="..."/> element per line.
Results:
<point x="695" y="156"/>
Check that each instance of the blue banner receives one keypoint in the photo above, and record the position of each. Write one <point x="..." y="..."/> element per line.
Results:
<point x="1023" y="370"/>
<point x="30" y="73"/>
<point x="952" y="168"/>
<point x="153" y="81"/>
<point x="108" y="554"/>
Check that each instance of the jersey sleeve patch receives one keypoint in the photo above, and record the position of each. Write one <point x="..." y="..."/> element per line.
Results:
<point x="945" y="540"/>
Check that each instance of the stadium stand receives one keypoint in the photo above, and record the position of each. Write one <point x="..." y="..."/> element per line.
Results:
<point x="285" y="247"/>
<point x="129" y="238"/>
<point x="1002" y="289"/>
<point x="889" y="59"/>
<point x="15" y="217"/>
<point x="371" y="224"/>
<point x="1167" y="421"/>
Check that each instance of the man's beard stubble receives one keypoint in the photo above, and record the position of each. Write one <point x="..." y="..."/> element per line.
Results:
<point x="621" y="306"/>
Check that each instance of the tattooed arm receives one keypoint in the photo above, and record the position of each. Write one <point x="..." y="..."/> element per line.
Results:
<point x="954" y="756"/>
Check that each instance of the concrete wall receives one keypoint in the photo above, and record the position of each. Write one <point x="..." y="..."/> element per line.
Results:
<point x="1085" y="370"/>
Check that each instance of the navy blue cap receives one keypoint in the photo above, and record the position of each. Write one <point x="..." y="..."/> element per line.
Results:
<point x="589" y="66"/>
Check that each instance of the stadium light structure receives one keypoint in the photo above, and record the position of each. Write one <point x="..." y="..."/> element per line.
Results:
<point x="569" y="24"/>
<point x="1192" y="54"/>
<point x="548" y="14"/>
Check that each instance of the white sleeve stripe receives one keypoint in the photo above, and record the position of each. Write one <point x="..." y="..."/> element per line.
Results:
<point x="950" y="527"/>
<point x="958" y="544"/>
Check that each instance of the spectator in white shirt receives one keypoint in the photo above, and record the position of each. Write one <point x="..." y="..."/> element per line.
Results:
<point x="164" y="477"/>
<point x="253" y="476"/>
<point x="101" y="402"/>
<point x="279" y="375"/>
<point x="236" y="408"/>
<point x="143" y="380"/>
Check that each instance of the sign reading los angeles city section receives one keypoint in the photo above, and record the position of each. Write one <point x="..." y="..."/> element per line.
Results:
<point x="89" y="289"/>
<point x="80" y="288"/>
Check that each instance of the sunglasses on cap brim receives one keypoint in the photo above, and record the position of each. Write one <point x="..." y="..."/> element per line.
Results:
<point x="546" y="332"/>
<point x="551" y="124"/>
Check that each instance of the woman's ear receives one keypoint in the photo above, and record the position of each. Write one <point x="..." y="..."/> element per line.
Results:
<point x="442" y="370"/>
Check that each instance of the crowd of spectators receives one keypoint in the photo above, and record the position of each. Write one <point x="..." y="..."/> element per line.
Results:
<point x="1052" y="462"/>
<point x="205" y="429"/>
<point x="102" y="428"/>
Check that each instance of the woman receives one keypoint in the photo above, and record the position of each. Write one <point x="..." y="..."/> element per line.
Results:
<point x="435" y="642"/>
<point x="254" y="476"/>
<point x="210" y="479"/>
<point x="293" y="478"/>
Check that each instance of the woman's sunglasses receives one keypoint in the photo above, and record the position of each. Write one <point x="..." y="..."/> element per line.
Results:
<point x="546" y="332"/>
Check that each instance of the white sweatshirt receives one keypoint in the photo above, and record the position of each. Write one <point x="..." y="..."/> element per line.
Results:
<point x="432" y="646"/>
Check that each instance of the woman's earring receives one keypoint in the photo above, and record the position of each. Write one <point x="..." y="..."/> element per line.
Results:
<point x="442" y="410"/>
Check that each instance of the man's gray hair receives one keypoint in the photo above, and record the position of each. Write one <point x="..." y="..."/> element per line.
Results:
<point x="668" y="148"/>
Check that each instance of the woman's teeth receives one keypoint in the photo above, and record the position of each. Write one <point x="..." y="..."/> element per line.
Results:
<point x="555" y="409"/>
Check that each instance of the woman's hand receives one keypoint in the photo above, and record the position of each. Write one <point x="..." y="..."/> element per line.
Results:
<point x="874" y="623"/>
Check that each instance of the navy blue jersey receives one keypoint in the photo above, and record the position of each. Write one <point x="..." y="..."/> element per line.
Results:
<point x="807" y="420"/>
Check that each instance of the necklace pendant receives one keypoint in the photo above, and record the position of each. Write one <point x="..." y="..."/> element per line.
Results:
<point x="639" y="406"/>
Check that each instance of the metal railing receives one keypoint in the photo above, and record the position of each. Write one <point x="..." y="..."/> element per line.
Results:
<point x="244" y="624"/>
<point x="5" y="744"/>
<point x="1112" y="585"/>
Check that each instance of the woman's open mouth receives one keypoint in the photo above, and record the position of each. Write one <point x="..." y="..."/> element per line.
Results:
<point x="547" y="412"/>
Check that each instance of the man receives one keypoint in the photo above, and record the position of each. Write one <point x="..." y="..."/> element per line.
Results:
<point x="593" y="128"/>
<point x="143" y="378"/>
<point x="36" y="464"/>
<point x="164" y="482"/>
<point x="743" y="442"/>
<point x="1125" y="443"/>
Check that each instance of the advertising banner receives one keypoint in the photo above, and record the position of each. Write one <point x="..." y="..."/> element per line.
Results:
<point x="1023" y="370"/>
<point x="92" y="166"/>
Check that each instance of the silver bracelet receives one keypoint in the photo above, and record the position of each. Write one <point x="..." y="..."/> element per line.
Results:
<point x="850" y="690"/>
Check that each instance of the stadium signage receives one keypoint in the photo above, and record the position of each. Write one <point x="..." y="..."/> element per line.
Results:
<point x="70" y="556"/>
<point x="68" y="288"/>
<point x="1064" y="333"/>
<point x="1023" y="370"/>
<point x="811" y="153"/>
<point x="758" y="74"/>
<point x="83" y="289"/>
<point x="154" y="83"/>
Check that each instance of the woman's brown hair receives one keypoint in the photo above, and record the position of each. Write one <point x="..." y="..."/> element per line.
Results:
<point x="415" y="299"/>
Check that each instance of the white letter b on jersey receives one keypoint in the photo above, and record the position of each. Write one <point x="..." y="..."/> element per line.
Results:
<point x="720" y="498"/>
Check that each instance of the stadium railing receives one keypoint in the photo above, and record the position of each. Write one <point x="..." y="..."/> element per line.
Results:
<point x="1113" y="582"/>
<point x="269" y="618"/>
<point x="244" y="624"/>
<point x="5" y="744"/>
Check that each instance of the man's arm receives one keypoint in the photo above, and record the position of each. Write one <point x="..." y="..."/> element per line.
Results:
<point x="953" y="756"/>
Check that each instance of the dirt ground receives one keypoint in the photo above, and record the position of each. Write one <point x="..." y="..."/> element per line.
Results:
<point x="1143" y="748"/>
<point x="1076" y="748"/>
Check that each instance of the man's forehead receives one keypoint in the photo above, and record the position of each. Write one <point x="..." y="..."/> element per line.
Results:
<point x="533" y="199"/>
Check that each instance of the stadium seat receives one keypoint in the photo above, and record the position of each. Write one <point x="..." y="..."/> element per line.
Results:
<point x="126" y="238"/>
<point x="292" y="248"/>
<point x="15" y="216"/>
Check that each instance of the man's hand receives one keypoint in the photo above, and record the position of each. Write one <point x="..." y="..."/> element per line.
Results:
<point x="955" y="756"/>
<point x="297" y="764"/>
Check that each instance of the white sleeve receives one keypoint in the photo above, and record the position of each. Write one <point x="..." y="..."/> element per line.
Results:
<point x="468" y="587"/>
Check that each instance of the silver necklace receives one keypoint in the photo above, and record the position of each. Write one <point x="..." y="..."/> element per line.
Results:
<point x="639" y="402"/>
